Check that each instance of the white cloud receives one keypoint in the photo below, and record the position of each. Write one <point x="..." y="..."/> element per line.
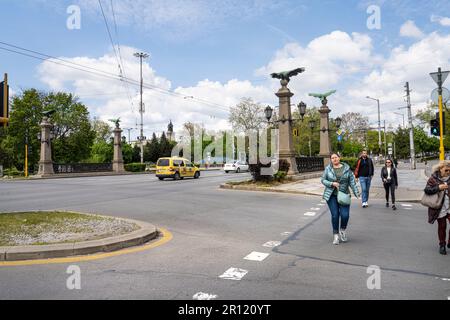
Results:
<point x="108" y="98"/>
<point x="443" y="21"/>
<point x="410" y="30"/>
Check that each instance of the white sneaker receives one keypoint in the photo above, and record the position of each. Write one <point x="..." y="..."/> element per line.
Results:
<point x="343" y="235"/>
<point x="336" y="239"/>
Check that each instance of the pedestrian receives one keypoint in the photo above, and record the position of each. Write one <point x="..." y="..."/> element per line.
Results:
<point x="364" y="172"/>
<point x="439" y="182"/>
<point x="395" y="163"/>
<point x="337" y="179"/>
<point x="390" y="181"/>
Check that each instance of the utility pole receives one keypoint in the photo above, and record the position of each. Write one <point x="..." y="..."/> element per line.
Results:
<point x="385" y="142"/>
<point x="141" y="56"/>
<point x="379" y="124"/>
<point x="411" y="128"/>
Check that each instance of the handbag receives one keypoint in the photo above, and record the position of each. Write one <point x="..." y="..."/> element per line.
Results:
<point x="433" y="201"/>
<point x="344" y="199"/>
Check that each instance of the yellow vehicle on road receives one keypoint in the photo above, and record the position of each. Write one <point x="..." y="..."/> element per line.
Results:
<point x="176" y="168"/>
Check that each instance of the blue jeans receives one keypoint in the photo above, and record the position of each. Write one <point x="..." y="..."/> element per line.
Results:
<point x="338" y="211"/>
<point x="365" y="187"/>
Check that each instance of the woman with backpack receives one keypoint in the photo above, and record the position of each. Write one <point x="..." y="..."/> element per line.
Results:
<point x="338" y="179"/>
<point x="439" y="182"/>
<point x="390" y="181"/>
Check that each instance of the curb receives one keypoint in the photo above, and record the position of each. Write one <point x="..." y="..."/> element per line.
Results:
<point x="146" y="233"/>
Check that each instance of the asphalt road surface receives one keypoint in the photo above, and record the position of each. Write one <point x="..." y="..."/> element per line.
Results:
<point x="214" y="230"/>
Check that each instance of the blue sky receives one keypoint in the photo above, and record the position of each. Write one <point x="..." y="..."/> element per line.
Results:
<point x="220" y="51"/>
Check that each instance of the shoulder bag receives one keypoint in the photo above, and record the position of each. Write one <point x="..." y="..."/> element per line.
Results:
<point x="344" y="199"/>
<point x="433" y="201"/>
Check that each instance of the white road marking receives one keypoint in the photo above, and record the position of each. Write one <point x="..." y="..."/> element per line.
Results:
<point x="321" y="204"/>
<point x="310" y="214"/>
<point x="272" y="244"/>
<point x="204" y="296"/>
<point x="256" y="256"/>
<point x="286" y="233"/>
<point x="315" y="209"/>
<point x="407" y="208"/>
<point x="406" y="205"/>
<point x="322" y="201"/>
<point x="234" y="274"/>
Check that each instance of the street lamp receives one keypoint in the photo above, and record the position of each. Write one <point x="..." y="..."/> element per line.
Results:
<point x="379" y="123"/>
<point x="338" y="122"/>
<point x="268" y="112"/>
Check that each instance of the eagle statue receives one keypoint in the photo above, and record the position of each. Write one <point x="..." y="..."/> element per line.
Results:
<point x="286" y="75"/>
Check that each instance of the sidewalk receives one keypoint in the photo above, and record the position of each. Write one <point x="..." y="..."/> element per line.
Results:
<point x="411" y="185"/>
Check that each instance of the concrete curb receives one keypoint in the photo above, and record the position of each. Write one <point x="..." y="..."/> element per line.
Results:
<point x="146" y="233"/>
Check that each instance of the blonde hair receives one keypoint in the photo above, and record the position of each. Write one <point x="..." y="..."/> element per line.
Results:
<point x="440" y="165"/>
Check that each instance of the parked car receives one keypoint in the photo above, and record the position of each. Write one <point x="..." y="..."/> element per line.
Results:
<point x="236" y="166"/>
<point x="176" y="168"/>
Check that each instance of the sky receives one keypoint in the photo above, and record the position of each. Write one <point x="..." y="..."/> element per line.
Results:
<point x="205" y="55"/>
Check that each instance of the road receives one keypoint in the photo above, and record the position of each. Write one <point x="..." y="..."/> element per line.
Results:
<point x="213" y="230"/>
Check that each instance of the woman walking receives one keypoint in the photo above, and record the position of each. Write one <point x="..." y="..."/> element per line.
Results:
<point x="439" y="182"/>
<point x="337" y="179"/>
<point x="390" y="182"/>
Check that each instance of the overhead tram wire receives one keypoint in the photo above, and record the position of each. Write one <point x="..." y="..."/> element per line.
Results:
<point x="102" y="73"/>
<point x="120" y="55"/>
<point x="120" y="66"/>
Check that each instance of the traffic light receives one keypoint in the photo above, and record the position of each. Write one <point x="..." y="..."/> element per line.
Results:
<point x="434" y="127"/>
<point x="443" y="120"/>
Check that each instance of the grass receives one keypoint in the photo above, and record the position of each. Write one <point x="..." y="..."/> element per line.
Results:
<point x="33" y="225"/>
<point x="266" y="184"/>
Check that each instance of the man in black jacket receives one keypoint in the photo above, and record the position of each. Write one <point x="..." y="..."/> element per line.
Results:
<point x="364" y="172"/>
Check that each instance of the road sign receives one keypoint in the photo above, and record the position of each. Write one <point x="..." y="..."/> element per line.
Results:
<point x="434" y="75"/>
<point x="339" y="138"/>
<point x="445" y="95"/>
<point x="390" y="151"/>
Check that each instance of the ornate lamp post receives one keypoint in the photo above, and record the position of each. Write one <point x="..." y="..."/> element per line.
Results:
<point x="46" y="162"/>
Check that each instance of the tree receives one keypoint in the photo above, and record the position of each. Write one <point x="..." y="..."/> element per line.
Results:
<point x="247" y="115"/>
<point x="72" y="131"/>
<point x="152" y="149"/>
<point x="353" y="124"/>
<point x="102" y="129"/>
<point x="301" y="142"/>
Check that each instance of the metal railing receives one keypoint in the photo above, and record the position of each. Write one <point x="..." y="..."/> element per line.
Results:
<point x="82" y="167"/>
<point x="309" y="164"/>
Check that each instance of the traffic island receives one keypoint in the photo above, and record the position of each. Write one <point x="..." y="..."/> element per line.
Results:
<point x="56" y="234"/>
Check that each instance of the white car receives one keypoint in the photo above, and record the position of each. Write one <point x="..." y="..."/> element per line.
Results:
<point x="237" y="166"/>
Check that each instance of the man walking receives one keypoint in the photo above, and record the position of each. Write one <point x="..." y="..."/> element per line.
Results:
<point x="364" y="172"/>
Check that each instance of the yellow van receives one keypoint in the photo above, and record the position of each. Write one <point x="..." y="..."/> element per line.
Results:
<point x="176" y="168"/>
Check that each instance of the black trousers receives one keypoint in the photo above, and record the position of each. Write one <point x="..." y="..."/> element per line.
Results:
<point x="390" y="187"/>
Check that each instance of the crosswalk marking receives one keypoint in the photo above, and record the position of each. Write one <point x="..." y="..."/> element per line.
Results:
<point x="234" y="274"/>
<point x="310" y="214"/>
<point x="272" y="244"/>
<point x="256" y="256"/>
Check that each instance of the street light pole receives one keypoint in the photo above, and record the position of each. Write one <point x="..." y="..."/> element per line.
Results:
<point x="411" y="128"/>
<point x="403" y="115"/>
<point x="379" y="123"/>
<point x="141" y="56"/>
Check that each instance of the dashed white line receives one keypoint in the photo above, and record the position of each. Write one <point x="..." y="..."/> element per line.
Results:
<point x="321" y="204"/>
<point x="406" y="205"/>
<point x="310" y="214"/>
<point x="256" y="256"/>
<point x="272" y="244"/>
<point x="315" y="209"/>
<point x="286" y="233"/>
<point x="204" y="296"/>
<point x="234" y="274"/>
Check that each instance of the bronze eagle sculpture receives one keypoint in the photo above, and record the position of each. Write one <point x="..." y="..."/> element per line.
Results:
<point x="286" y="75"/>
<point x="116" y="121"/>
<point x="322" y="96"/>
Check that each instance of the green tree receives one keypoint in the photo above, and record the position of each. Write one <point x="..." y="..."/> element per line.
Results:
<point x="152" y="150"/>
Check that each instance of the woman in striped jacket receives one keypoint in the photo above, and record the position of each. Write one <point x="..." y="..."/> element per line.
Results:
<point x="338" y="177"/>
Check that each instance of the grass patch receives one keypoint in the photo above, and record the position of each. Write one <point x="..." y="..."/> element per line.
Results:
<point x="40" y="228"/>
<point x="266" y="184"/>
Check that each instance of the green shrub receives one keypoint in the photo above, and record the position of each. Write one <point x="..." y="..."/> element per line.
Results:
<point x="350" y="161"/>
<point x="12" y="172"/>
<point x="135" y="167"/>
